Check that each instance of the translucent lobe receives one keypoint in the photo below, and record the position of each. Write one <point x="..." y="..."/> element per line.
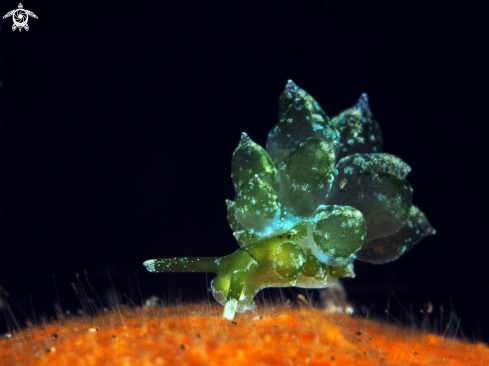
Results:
<point x="341" y="271"/>
<point x="308" y="162"/>
<point x="231" y="216"/>
<point x="288" y="260"/>
<point x="336" y="233"/>
<point x="384" y="199"/>
<point x="245" y="237"/>
<point x="378" y="163"/>
<point x="298" y="233"/>
<point x="249" y="159"/>
<point x="311" y="282"/>
<point x="359" y="132"/>
<point x="241" y="235"/>
<point x="300" y="118"/>
<point x="389" y="248"/>
<point x="299" y="230"/>
<point x="257" y="207"/>
<point x="314" y="268"/>
<point x="306" y="176"/>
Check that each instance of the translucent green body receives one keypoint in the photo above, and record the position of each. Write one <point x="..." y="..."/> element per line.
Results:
<point x="321" y="195"/>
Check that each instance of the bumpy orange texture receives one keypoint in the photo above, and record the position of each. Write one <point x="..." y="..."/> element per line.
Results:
<point x="198" y="335"/>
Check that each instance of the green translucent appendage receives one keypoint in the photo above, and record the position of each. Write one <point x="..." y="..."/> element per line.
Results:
<point x="301" y="118"/>
<point x="306" y="176"/>
<point x="341" y="271"/>
<point x="389" y="248"/>
<point x="250" y="159"/>
<point x="384" y="199"/>
<point x="231" y="215"/>
<point x="320" y="196"/>
<point x="375" y="163"/>
<point x="360" y="133"/>
<point x="336" y="233"/>
<point x="257" y="207"/>
<point x="289" y="260"/>
<point x="242" y="235"/>
<point x="314" y="268"/>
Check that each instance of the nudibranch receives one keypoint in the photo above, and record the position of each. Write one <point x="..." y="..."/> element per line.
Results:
<point x="321" y="195"/>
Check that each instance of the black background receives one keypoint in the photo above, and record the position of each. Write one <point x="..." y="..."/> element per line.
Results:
<point x="118" y="121"/>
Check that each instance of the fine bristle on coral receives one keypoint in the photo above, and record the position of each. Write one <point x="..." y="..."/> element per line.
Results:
<point x="198" y="335"/>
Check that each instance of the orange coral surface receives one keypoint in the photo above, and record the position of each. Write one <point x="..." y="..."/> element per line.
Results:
<point x="198" y="335"/>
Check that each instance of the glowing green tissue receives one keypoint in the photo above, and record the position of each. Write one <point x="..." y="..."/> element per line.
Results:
<point x="300" y="118"/>
<point x="250" y="159"/>
<point x="306" y="176"/>
<point x="360" y="133"/>
<point x="321" y="195"/>
<point x="257" y="207"/>
<point x="336" y="233"/>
